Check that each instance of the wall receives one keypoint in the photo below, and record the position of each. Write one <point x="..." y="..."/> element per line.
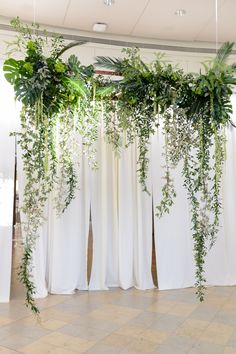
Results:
<point x="8" y="123"/>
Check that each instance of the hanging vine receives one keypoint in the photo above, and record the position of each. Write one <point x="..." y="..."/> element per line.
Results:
<point x="63" y="102"/>
<point x="56" y="97"/>
<point x="195" y="110"/>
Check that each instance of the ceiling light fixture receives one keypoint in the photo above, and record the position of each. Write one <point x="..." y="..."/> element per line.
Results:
<point x="99" y="27"/>
<point x="109" y="2"/>
<point x="180" y="12"/>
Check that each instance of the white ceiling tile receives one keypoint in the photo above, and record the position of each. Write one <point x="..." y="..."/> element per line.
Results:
<point x="141" y="18"/>
<point x="120" y="17"/>
<point x="159" y="19"/>
<point x="49" y="12"/>
<point x="225" y="26"/>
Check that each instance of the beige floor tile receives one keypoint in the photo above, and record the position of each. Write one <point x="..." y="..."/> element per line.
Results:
<point x="182" y="309"/>
<point x="230" y="350"/>
<point x="130" y="331"/>
<point x="217" y="333"/>
<point x="154" y="336"/>
<point x="192" y="328"/>
<point x="163" y="306"/>
<point x="88" y="321"/>
<point x="124" y="322"/>
<point x="68" y="342"/>
<point x="53" y="300"/>
<point x="116" y="340"/>
<point x="207" y="348"/>
<point x="59" y="350"/>
<point x="15" y="341"/>
<point x="129" y="351"/>
<point x="155" y="293"/>
<point x="204" y="313"/>
<point x="232" y="340"/>
<point x="145" y="319"/>
<point x="86" y="332"/>
<point x="19" y="328"/>
<point x="141" y="346"/>
<point x="134" y="301"/>
<point x="53" y="324"/>
<point x="4" y="321"/>
<point x="226" y="316"/>
<point x="55" y="314"/>
<point x="117" y="314"/>
<point x="229" y="305"/>
<point x="4" y="350"/>
<point x="103" y="349"/>
<point x="37" y="347"/>
<point x="177" y="345"/>
<point x="167" y="323"/>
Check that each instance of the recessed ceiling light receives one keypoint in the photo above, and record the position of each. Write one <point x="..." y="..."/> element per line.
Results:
<point x="99" y="27"/>
<point x="180" y="12"/>
<point x="109" y="2"/>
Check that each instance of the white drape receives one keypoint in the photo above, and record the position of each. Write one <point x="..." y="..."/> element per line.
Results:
<point x="175" y="264"/>
<point x="121" y="217"/>
<point x="173" y="240"/>
<point x="121" y="221"/>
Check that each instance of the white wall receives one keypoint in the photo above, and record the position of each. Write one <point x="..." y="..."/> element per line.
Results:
<point x="8" y="123"/>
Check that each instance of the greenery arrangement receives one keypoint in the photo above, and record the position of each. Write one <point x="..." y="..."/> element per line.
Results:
<point x="62" y="100"/>
<point x="194" y="110"/>
<point x="56" y="98"/>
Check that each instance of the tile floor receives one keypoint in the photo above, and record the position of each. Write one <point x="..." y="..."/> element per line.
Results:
<point x="126" y="322"/>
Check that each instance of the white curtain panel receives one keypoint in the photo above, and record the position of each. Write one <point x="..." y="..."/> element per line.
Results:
<point x="121" y="217"/>
<point x="68" y="241"/>
<point x="173" y="241"/>
<point x="221" y="260"/>
<point x="121" y="222"/>
<point x="60" y="257"/>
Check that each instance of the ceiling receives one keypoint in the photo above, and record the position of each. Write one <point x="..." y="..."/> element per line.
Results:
<point x="134" y="18"/>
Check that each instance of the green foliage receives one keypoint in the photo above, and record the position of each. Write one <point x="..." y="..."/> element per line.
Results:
<point x="195" y="110"/>
<point x="62" y="102"/>
<point x="144" y="92"/>
<point x="55" y="97"/>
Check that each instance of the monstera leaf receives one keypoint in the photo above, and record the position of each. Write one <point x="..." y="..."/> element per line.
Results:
<point x="11" y="70"/>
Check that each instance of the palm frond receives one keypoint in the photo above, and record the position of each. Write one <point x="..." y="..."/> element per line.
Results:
<point x="223" y="53"/>
<point x="114" y="64"/>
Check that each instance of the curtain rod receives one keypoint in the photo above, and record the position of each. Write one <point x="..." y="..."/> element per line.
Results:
<point x="122" y="43"/>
